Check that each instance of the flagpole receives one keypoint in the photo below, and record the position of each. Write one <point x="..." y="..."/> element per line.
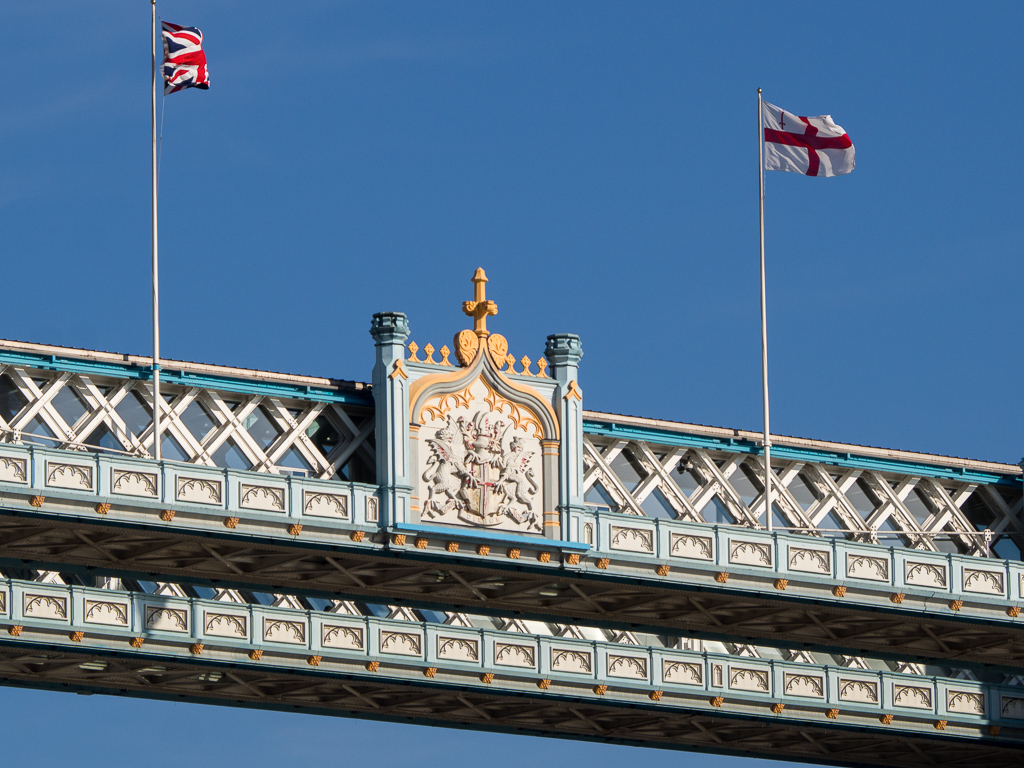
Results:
<point x="156" y="271"/>
<point x="764" y="322"/>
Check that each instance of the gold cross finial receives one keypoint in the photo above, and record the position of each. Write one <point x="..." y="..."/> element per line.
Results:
<point x="480" y="307"/>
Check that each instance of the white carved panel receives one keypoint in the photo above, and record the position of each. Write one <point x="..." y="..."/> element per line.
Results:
<point x="809" y="560"/>
<point x="925" y="574"/>
<point x="632" y="667"/>
<point x="632" y="539"/>
<point x="401" y="643"/>
<point x="744" y="679"/>
<point x="860" y="691"/>
<point x="867" y="568"/>
<point x="340" y="636"/>
<point x="45" y="606"/>
<point x="77" y="477"/>
<point x="199" y="490"/>
<point x="515" y="655"/>
<point x="3" y="601"/>
<point x="372" y="509"/>
<point x="1011" y="707"/>
<point x="682" y="672"/>
<point x="984" y="582"/>
<point x="265" y="498"/>
<point x="479" y="461"/>
<point x="691" y="546"/>
<point x="801" y="684"/>
<point x="112" y="612"/>
<point x="131" y="483"/>
<point x="166" y="619"/>
<point x="912" y="696"/>
<point x="458" y="648"/>
<point x="284" y="631"/>
<point x="571" y="660"/>
<point x="226" y="624"/>
<point x="967" y="702"/>
<point x="754" y="553"/>
<point x="13" y="470"/>
<point x="325" y="505"/>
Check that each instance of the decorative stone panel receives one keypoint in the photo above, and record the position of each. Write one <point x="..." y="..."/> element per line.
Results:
<point x="76" y="477"/>
<point x="111" y="612"/>
<point x="745" y="679"/>
<point x="13" y="470"/>
<point x="284" y="631"/>
<point x="682" y="672"/>
<point x="226" y="624"/>
<point x="131" y="483"/>
<point x="44" y="606"/>
<point x="515" y="655"/>
<point x="458" y="648"/>
<point x="867" y="568"/>
<point x="801" y="684"/>
<point x="925" y="574"/>
<point x="632" y="539"/>
<point x="984" y="582"/>
<point x="401" y="643"/>
<point x="860" y="691"/>
<point x="810" y="560"/>
<point x="631" y="667"/>
<point x="756" y="553"/>
<point x="164" y="619"/>
<point x="912" y="696"/>
<point x="691" y="546"/>
<point x="571" y="660"/>
<point x="199" y="490"/>
<point x="967" y="702"/>
<point x="325" y="505"/>
<point x="341" y="636"/>
<point x="264" y="498"/>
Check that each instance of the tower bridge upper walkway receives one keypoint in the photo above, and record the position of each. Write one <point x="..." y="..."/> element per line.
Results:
<point x="876" y="552"/>
<point x="479" y="490"/>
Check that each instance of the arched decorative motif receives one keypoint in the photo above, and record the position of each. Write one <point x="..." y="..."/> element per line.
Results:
<point x="485" y="442"/>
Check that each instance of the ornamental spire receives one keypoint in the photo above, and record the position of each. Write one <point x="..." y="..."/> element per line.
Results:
<point x="480" y="307"/>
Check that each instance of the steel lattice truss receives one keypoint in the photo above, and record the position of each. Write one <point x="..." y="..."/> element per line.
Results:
<point x="200" y="425"/>
<point x="644" y="478"/>
<point x="516" y="712"/>
<point x="409" y="578"/>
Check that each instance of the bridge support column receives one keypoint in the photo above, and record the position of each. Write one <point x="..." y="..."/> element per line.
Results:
<point x="390" y="330"/>
<point x="563" y="351"/>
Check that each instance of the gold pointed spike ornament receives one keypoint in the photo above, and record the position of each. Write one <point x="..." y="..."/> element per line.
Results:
<point x="467" y="343"/>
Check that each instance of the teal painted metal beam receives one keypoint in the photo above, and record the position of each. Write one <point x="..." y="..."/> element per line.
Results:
<point x="169" y="374"/>
<point x="847" y="460"/>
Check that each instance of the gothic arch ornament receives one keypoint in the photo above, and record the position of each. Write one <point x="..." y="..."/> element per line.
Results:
<point x="484" y="442"/>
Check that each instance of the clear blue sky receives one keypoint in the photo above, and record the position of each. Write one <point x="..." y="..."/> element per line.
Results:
<point x="598" y="159"/>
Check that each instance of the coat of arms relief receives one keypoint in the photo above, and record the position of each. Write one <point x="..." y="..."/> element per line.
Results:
<point x="485" y="440"/>
<point x="481" y="467"/>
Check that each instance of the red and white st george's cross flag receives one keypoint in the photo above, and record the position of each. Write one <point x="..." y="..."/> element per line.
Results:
<point x="813" y="146"/>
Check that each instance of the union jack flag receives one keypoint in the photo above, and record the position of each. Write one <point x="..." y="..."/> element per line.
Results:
<point x="184" y="58"/>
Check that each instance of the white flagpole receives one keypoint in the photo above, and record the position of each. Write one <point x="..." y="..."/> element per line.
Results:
<point x="764" y="323"/>
<point x="156" y="271"/>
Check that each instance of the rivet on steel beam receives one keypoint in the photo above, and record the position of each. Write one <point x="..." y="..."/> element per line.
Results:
<point x="543" y="684"/>
<point x="230" y="522"/>
<point x="256" y="654"/>
<point x="135" y="642"/>
<point x="603" y="562"/>
<point x="167" y="515"/>
<point x="897" y="597"/>
<point x="663" y="570"/>
<point x="483" y="549"/>
<point x="102" y="508"/>
<point x="839" y="591"/>
<point x="722" y="577"/>
<point x="422" y="543"/>
<point x="36" y="501"/>
<point x="513" y="553"/>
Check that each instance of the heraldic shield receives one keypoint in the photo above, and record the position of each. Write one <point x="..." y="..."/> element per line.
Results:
<point x="483" y="436"/>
